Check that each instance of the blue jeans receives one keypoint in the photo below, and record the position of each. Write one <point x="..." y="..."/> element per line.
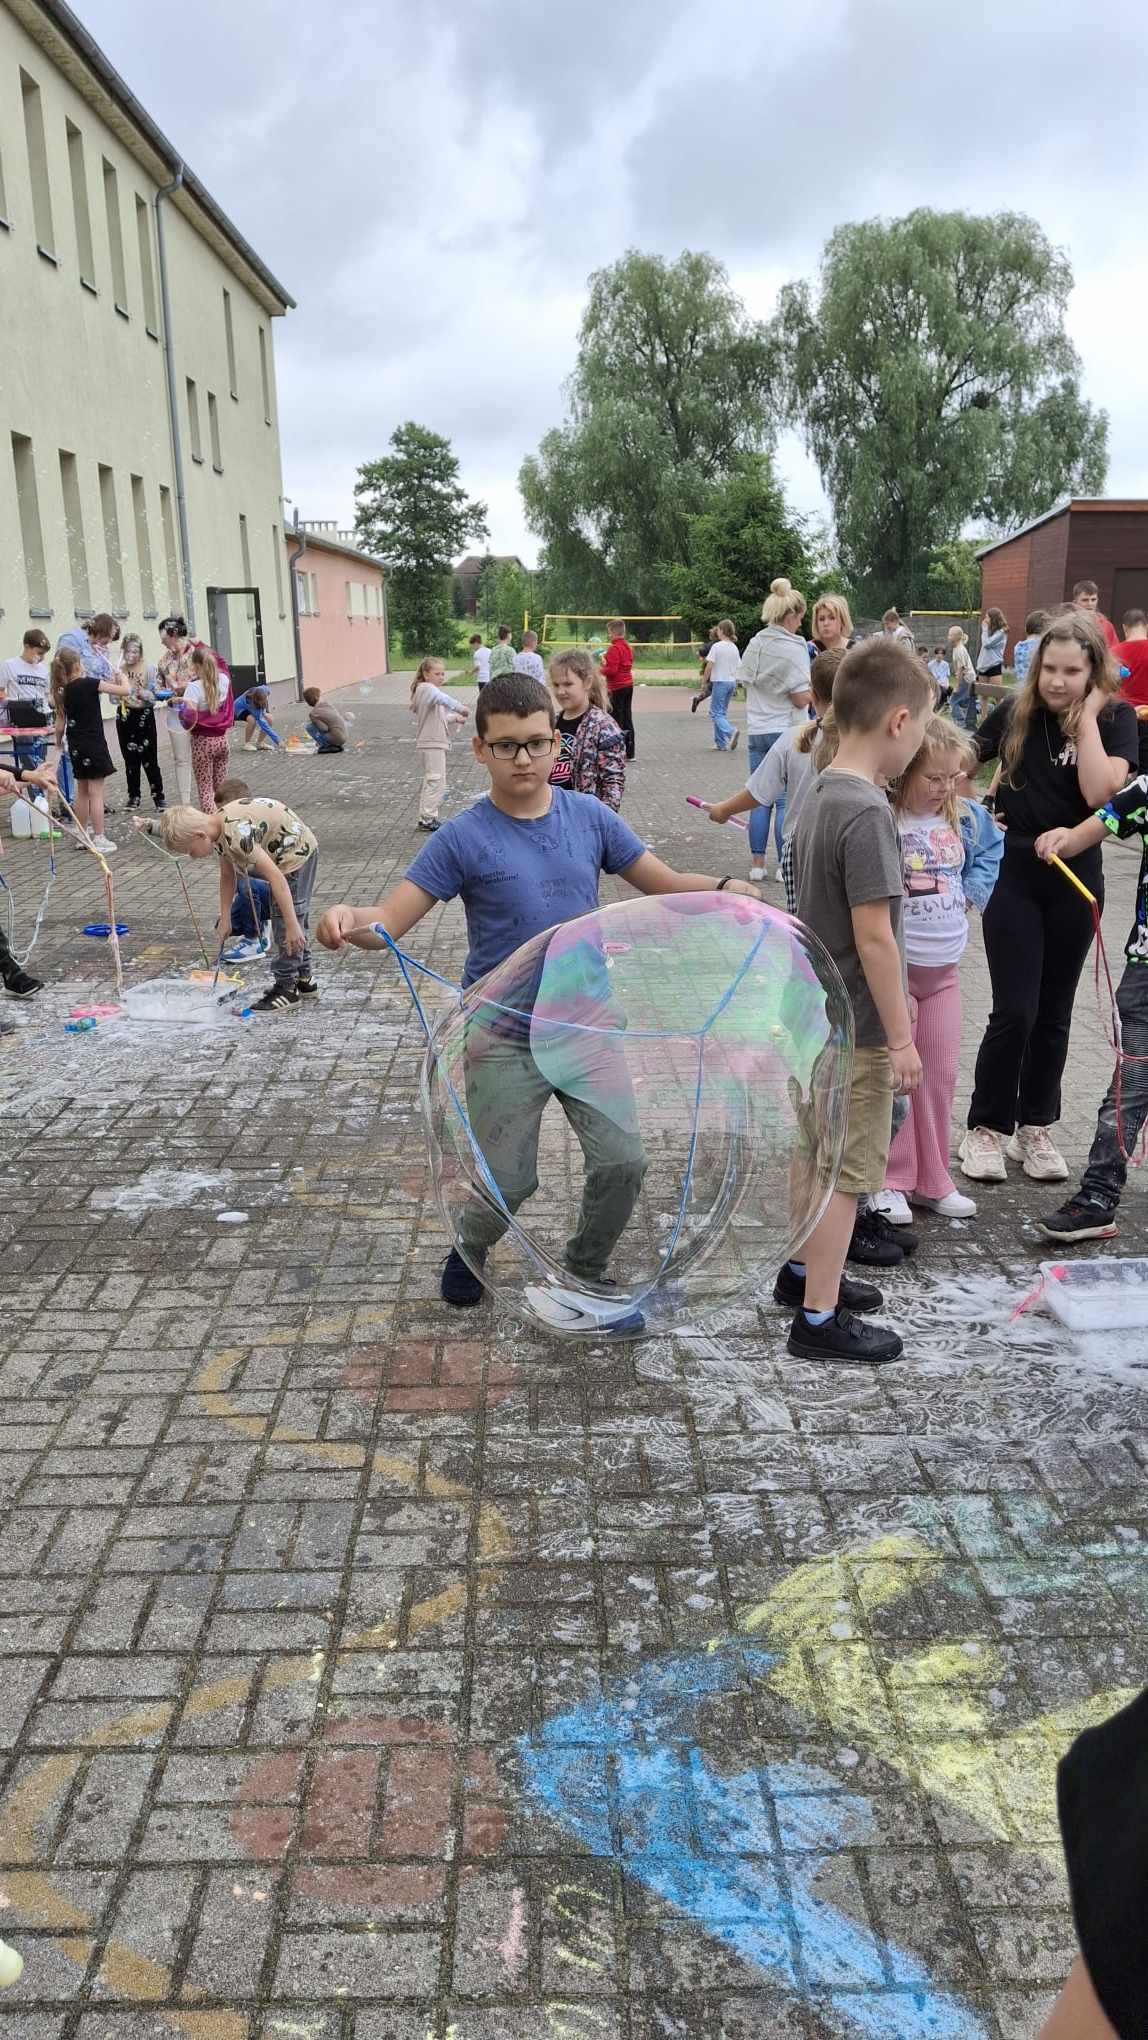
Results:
<point x="721" y="695"/>
<point x="759" y="747"/>
<point x="249" y="893"/>
<point x="322" y="739"/>
<point x="963" y="708"/>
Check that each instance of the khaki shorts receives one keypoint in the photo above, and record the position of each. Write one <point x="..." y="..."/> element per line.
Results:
<point x="870" y="1127"/>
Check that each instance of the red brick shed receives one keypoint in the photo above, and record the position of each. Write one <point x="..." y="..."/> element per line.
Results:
<point x="1092" y="538"/>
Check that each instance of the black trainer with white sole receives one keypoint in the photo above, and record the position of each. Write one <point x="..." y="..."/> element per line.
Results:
<point x="307" y="988"/>
<point x="277" y="999"/>
<point x="1082" y="1218"/>
<point x="20" y="984"/>
<point x="843" y="1340"/>
<point x="789" y="1290"/>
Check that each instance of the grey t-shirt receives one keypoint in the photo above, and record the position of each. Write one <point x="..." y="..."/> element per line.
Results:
<point x="845" y="854"/>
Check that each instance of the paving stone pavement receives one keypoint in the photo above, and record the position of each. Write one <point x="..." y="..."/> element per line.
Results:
<point x="370" y="1674"/>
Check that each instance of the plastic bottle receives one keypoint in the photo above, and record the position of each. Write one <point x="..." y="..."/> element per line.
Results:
<point x="80" y="1026"/>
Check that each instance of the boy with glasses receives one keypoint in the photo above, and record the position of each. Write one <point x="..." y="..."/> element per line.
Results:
<point x="523" y="859"/>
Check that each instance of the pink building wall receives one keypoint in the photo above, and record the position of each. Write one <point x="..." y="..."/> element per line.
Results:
<point x="341" y="644"/>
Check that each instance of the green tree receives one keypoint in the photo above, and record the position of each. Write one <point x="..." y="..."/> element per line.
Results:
<point x="412" y="512"/>
<point x="953" y="580"/>
<point x="742" y="541"/>
<point x="936" y="385"/>
<point x="671" y="389"/>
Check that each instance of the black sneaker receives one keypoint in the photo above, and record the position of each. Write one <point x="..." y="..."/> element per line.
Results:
<point x="19" y="984"/>
<point x="875" y="1244"/>
<point x="460" y="1285"/>
<point x="789" y="1290"/>
<point x="160" y="805"/>
<point x="277" y="999"/>
<point x="131" y="807"/>
<point x="428" y="828"/>
<point x="843" y="1338"/>
<point x="1082" y="1218"/>
<point x="307" y="988"/>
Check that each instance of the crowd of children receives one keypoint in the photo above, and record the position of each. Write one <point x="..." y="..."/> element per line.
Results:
<point x="884" y="847"/>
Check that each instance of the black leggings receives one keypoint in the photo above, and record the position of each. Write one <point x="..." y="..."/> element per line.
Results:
<point x="1038" y="932"/>
<point x="622" y="710"/>
<point x="135" y="728"/>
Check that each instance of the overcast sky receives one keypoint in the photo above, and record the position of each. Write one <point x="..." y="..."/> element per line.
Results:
<point x="434" y="180"/>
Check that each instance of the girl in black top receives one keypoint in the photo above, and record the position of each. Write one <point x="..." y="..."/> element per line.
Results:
<point x="1066" y="744"/>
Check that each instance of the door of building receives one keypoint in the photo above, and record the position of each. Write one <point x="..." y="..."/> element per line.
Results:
<point x="235" y="627"/>
<point x="1129" y="591"/>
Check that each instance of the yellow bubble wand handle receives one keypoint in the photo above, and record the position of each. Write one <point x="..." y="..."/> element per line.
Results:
<point x="1073" y="880"/>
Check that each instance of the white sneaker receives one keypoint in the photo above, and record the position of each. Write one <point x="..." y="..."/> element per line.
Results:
<point x="955" y="1205"/>
<point x="893" y="1205"/>
<point x="757" y="874"/>
<point x="982" y="1155"/>
<point x="105" y="846"/>
<point x="1035" y="1148"/>
<point x="247" y="949"/>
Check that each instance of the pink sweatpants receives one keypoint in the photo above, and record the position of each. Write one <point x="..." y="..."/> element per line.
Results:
<point x="919" y="1156"/>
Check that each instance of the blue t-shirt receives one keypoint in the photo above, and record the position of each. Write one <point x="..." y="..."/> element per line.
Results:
<point x="516" y="878"/>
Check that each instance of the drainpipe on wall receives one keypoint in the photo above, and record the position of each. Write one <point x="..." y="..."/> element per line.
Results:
<point x="291" y="565"/>
<point x="167" y="191"/>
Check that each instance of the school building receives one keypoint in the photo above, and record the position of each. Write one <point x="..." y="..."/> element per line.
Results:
<point x="341" y="592"/>
<point x="139" y="441"/>
<point x="1092" y="538"/>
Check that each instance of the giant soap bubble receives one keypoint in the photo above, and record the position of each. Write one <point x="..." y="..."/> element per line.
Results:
<point x="641" y="1113"/>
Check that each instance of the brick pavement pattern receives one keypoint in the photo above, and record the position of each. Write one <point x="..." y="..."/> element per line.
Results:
<point x="372" y="1673"/>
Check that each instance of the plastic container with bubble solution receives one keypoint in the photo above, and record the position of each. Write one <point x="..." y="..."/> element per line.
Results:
<point x="29" y="819"/>
<point x="1105" y="1295"/>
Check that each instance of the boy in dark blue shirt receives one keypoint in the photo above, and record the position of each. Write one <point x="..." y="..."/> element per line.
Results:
<point x="1091" y="1214"/>
<point x="525" y="858"/>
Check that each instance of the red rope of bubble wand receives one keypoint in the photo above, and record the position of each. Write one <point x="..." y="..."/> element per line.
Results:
<point x="1115" y="1037"/>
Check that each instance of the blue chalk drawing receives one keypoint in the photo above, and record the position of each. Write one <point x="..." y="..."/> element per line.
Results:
<point x="709" y="1844"/>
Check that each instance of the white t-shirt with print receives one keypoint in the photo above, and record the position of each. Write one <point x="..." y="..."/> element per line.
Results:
<point x="21" y="681"/>
<point x="724" y="660"/>
<point x="932" y="860"/>
<point x="529" y="662"/>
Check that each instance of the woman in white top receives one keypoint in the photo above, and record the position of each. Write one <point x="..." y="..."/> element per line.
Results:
<point x="775" y="674"/>
<point x="722" y="673"/>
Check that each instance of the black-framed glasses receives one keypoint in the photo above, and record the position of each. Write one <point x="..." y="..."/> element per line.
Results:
<point x="507" y="749"/>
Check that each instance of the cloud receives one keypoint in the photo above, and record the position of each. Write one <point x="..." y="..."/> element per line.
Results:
<point x="434" y="181"/>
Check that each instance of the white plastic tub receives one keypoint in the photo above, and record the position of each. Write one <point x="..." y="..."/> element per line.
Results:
<point x="1104" y="1295"/>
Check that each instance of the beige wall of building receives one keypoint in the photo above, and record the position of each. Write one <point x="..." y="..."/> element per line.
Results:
<point x="89" y="515"/>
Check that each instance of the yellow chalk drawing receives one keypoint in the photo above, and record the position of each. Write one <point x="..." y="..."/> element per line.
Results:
<point x="929" y="1714"/>
<point x="132" y="1976"/>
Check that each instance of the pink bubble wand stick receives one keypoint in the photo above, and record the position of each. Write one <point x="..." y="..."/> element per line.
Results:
<point x="734" y="822"/>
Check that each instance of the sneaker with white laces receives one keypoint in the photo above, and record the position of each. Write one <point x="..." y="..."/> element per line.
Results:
<point x="105" y="846"/>
<point x="1035" y="1149"/>
<point x="756" y="874"/>
<point x="954" y="1205"/>
<point x="893" y="1205"/>
<point x="982" y="1155"/>
<point x="247" y="949"/>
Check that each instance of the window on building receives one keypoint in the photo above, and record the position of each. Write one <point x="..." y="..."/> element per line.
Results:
<point x="80" y="209"/>
<point x="171" y="556"/>
<point x="245" y="552"/>
<point x="115" y="238"/>
<point x="111" y="517"/>
<point x="38" y="166"/>
<point x="229" y="335"/>
<point x="265" y="375"/>
<point x="213" y="433"/>
<point x="147" y="267"/>
<point x="31" y="534"/>
<point x="277" y="556"/>
<point x="74" y="528"/>
<point x="308" y="587"/>
<point x="194" y="432"/>
<point x="143" y="545"/>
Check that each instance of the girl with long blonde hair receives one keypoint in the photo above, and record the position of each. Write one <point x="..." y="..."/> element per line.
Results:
<point x="1067" y="743"/>
<point x="951" y="851"/>
<point x="207" y="711"/>
<point x="775" y="674"/>
<point x="436" y="714"/>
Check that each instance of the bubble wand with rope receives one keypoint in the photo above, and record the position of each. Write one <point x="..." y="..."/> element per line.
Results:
<point x="109" y="886"/>
<point x="1114" y="1032"/>
<point x="146" y="836"/>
